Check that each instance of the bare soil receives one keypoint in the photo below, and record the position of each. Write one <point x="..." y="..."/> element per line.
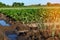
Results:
<point x="24" y="31"/>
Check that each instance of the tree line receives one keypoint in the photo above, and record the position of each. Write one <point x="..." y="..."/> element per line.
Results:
<point x="15" y="4"/>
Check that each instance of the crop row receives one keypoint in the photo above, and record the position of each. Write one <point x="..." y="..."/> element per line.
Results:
<point x="35" y="15"/>
<point x="29" y="15"/>
<point x="23" y="15"/>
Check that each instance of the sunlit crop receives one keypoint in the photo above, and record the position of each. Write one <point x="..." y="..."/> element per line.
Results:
<point x="47" y="19"/>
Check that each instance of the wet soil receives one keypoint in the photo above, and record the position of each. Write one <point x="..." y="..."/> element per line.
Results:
<point x="24" y="31"/>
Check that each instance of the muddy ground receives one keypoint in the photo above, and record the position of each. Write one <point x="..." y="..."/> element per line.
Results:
<point x="24" y="32"/>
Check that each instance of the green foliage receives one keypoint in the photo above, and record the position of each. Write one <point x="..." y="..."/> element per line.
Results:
<point x="23" y="15"/>
<point x="18" y="4"/>
<point x="15" y="4"/>
<point x="2" y="4"/>
<point x="32" y="15"/>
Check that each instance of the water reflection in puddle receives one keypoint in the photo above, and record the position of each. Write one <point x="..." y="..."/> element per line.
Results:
<point x="4" y="23"/>
<point x="11" y="35"/>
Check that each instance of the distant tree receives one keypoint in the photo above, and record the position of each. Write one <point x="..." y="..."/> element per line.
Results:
<point x="2" y="4"/>
<point x="48" y="4"/>
<point x="8" y="5"/>
<point x="15" y="4"/>
<point x="22" y="4"/>
<point x="39" y="4"/>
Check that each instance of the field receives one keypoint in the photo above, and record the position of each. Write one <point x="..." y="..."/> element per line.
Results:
<point x="35" y="7"/>
<point x="47" y="19"/>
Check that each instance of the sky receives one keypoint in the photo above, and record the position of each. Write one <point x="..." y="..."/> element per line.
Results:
<point x="29" y="2"/>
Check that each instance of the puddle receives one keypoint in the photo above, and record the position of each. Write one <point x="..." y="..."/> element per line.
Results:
<point x="11" y="35"/>
<point x="4" y="23"/>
